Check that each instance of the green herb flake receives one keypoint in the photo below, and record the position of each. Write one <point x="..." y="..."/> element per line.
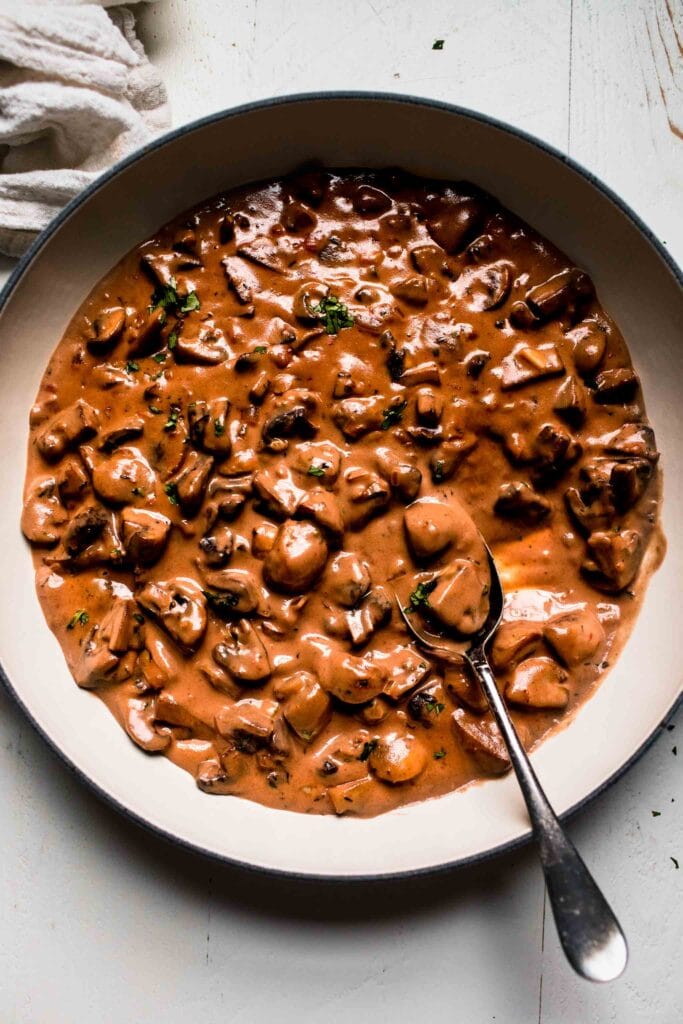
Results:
<point x="675" y="862"/>
<point x="218" y="428"/>
<point x="314" y="470"/>
<point x="154" y="409"/>
<point x="172" y="340"/>
<point x="368" y="749"/>
<point x="438" y="44"/>
<point x="132" y="367"/>
<point x="393" y="415"/>
<point x="438" y="471"/>
<point x="261" y="350"/>
<point x="79" y="618"/>
<point x="433" y="706"/>
<point x="138" y="492"/>
<point x="171" y="492"/>
<point x="160" y="357"/>
<point x="439" y="754"/>
<point x="190" y="303"/>
<point x="139" y="618"/>
<point x="222" y="604"/>
<point x="333" y="314"/>
<point x="172" y="421"/>
<point x="656" y="814"/>
<point x="420" y="596"/>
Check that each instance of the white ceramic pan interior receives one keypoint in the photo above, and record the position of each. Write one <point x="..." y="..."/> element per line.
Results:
<point x="635" y="282"/>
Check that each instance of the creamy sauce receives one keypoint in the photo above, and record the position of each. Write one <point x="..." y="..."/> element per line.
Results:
<point x="290" y="401"/>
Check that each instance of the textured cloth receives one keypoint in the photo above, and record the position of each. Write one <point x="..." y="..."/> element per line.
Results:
<point x="76" y="94"/>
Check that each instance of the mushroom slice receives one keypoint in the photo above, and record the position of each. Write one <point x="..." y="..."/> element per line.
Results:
<point x="242" y="281"/>
<point x="537" y="683"/>
<point x="425" y="706"/>
<point x="398" y="757"/>
<point x="635" y="440"/>
<point x="208" y="347"/>
<point x="43" y="513"/>
<point x="307" y="299"/>
<point x="243" y="654"/>
<point x="107" y="328"/>
<point x="120" y="628"/>
<point x="179" y="606"/>
<point x="525" y="365"/>
<point x="139" y="724"/>
<point x="217" y="546"/>
<point x="455" y="219"/>
<point x="367" y="495"/>
<point x="297" y="558"/>
<point x="615" y="558"/>
<point x="481" y="738"/>
<point x="122" y="476"/>
<point x="84" y="528"/>
<point x="450" y="455"/>
<point x="249" y="723"/>
<point x="164" y="267"/>
<point x="358" y="416"/>
<point x="371" y="615"/>
<point x="351" y="796"/>
<point x="465" y="687"/>
<point x="294" y="421"/>
<point x="404" y="669"/>
<point x="460" y="598"/>
<point x="520" y="502"/>
<point x="171" y="711"/>
<point x="431" y="526"/>
<point x="145" y="534"/>
<point x="322" y="508"/>
<point x="208" y="426"/>
<point x="347" y="579"/>
<point x="306" y="706"/>
<point x="575" y="635"/>
<point x="484" y="287"/>
<point x="402" y="476"/>
<point x="218" y="777"/>
<point x="570" y="402"/>
<point x="126" y="431"/>
<point x="263" y="253"/>
<point x="156" y="662"/>
<point x="191" y="480"/>
<point x="514" y="641"/>
<point x="368" y="200"/>
<point x="560" y="293"/>
<point x="348" y="677"/>
<point x="143" y="332"/>
<point x="97" y="663"/>
<point x="66" y="429"/>
<point x="72" y="481"/>
<point x="413" y="290"/>
<point x="616" y="387"/>
<point x="238" y="592"/>
<point x="589" y="339"/>
<point x="318" y="459"/>
<point x="276" y="491"/>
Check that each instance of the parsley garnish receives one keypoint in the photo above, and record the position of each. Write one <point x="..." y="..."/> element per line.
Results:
<point x="396" y="363"/>
<point x="219" y="428"/>
<point x="368" y="749"/>
<point x="172" y="340"/>
<point x="420" y="596"/>
<point x="172" y="421"/>
<point x="154" y="409"/>
<point x="392" y="415"/>
<point x="439" y="754"/>
<point x="261" y="350"/>
<point x="168" y="299"/>
<point x="438" y="44"/>
<point x="221" y="604"/>
<point x="171" y="492"/>
<point x="138" y="618"/>
<point x="438" y="470"/>
<point x="333" y="314"/>
<point x="160" y="357"/>
<point x="656" y="814"/>
<point x="191" y="303"/>
<point x="132" y="367"/>
<point x="138" y="492"/>
<point x="314" y="470"/>
<point x="433" y="706"/>
<point x="79" y="618"/>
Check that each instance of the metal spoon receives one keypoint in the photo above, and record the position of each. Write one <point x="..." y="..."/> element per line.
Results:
<point x="590" y="934"/>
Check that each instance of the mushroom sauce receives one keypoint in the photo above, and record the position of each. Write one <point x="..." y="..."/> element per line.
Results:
<point x="292" y="401"/>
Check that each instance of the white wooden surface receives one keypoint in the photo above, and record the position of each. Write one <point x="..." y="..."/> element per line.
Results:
<point x="103" y="923"/>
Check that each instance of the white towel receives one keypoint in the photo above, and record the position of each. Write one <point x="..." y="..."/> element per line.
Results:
<point x="77" y="93"/>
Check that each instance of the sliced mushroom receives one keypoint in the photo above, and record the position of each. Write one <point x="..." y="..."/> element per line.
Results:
<point x="538" y="683"/>
<point x="570" y="402"/>
<point x="614" y="558"/>
<point x="398" y="757"/>
<point x="72" y="481"/>
<point x="307" y="299"/>
<point x="118" y="479"/>
<point x="139" y="724"/>
<point x="276" y="491"/>
<point x="432" y="526"/>
<point x="294" y="421"/>
<point x="526" y="365"/>
<point x="125" y="431"/>
<point x="191" y="480"/>
<point x="589" y="339"/>
<point x="208" y="426"/>
<point x="347" y="579"/>
<point x="373" y="613"/>
<point x="485" y="287"/>
<point x="514" y="641"/>
<point x="575" y="635"/>
<point x="243" y="654"/>
<point x="306" y="706"/>
<point x="367" y="495"/>
<point x="208" y="347"/>
<point x="428" y="703"/>
<point x="97" y="663"/>
<point x="179" y="606"/>
<point x="238" y="592"/>
<point x="217" y="546"/>
<point x="145" y="534"/>
<point x="481" y="738"/>
<point x="66" y="429"/>
<point x="402" y="476"/>
<point x="616" y="387"/>
<point x="248" y="722"/>
<point x="520" y="502"/>
<point x="219" y="777"/>
<point x="322" y="508"/>
<point x="84" y="528"/>
<point x="460" y="599"/>
<point x="297" y="558"/>
<point x="107" y="328"/>
<point x="43" y="514"/>
<point x="358" y="416"/>
<point x="351" y="796"/>
<point x="561" y="293"/>
<point x="422" y="373"/>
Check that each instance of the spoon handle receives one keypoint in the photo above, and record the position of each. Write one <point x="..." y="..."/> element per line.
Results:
<point x="590" y="934"/>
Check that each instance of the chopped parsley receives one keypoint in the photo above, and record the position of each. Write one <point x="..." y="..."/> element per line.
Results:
<point x="393" y="415"/>
<point x="172" y="340"/>
<point x="138" y="618"/>
<point x="438" y="44"/>
<point x="396" y="363"/>
<point x="154" y="409"/>
<point x="218" y="428"/>
<point x="191" y="303"/>
<point x="221" y="604"/>
<point x="167" y="299"/>
<point x="333" y="314"/>
<point x="132" y="367"/>
<point x="79" y="618"/>
<point x="433" y="706"/>
<point x="171" y="492"/>
<point x="261" y="350"/>
<point x="438" y="470"/>
<point x="420" y="596"/>
<point x="438" y="754"/>
<point x="160" y="357"/>
<point x="314" y="470"/>
<point x="656" y="814"/>
<point x="172" y="421"/>
<point x="138" y="492"/>
<point x="368" y="749"/>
